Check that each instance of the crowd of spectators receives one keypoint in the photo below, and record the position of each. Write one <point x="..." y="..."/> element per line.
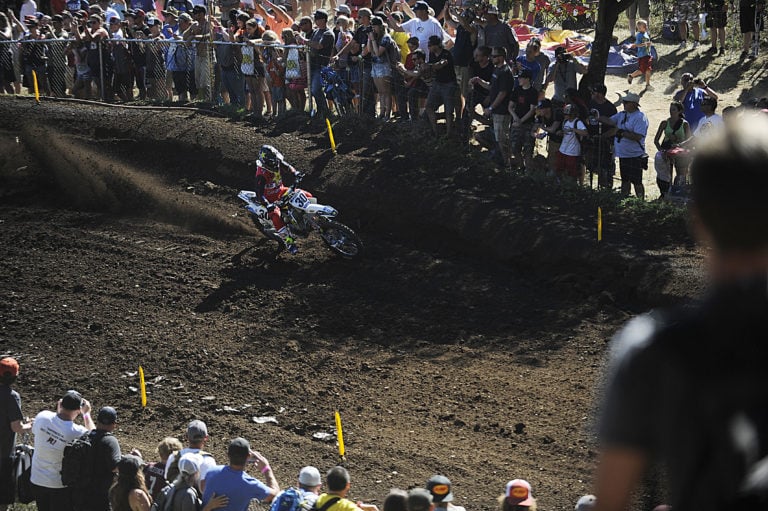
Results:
<point x="452" y="68"/>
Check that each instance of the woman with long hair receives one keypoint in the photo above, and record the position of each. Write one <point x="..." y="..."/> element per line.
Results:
<point x="186" y="495"/>
<point x="675" y="130"/>
<point x="129" y="493"/>
<point x="378" y="46"/>
<point x="297" y="80"/>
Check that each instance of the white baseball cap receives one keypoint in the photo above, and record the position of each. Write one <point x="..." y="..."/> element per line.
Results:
<point x="309" y="476"/>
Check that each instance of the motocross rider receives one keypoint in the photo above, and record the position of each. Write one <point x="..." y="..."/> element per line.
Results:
<point x="271" y="173"/>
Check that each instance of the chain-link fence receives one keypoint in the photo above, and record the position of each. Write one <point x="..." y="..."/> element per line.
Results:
<point x="259" y="78"/>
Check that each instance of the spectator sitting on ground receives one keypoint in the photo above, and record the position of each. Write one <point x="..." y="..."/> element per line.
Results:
<point x="338" y="482"/>
<point x="441" y="489"/>
<point x="197" y="436"/>
<point x="232" y="480"/>
<point x="154" y="473"/>
<point x="518" y="496"/>
<point x="691" y="96"/>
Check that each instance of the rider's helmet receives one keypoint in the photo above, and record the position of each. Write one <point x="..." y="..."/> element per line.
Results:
<point x="270" y="158"/>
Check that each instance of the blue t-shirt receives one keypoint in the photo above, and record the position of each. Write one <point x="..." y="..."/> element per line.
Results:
<point x="692" y="106"/>
<point x="641" y="39"/>
<point x="531" y="65"/>
<point x="240" y="487"/>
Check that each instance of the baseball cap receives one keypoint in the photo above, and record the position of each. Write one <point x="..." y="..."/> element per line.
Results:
<point x="141" y="13"/>
<point x="569" y="109"/>
<point x="492" y="9"/>
<point x="107" y="415"/>
<point x="377" y="22"/>
<point x="309" y="476"/>
<point x="197" y="430"/>
<point x="9" y="366"/>
<point x="343" y="9"/>
<point x="199" y="9"/>
<point x="630" y="97"/>
<point x="321" y="14"/>
<point x="190" y="463"/>
<point x="72" y="400"/>
<point x="518" y="492"/>
<point x="421" y="5"/>
<point x="440" y="488"/>
<point x="586" y="503"/>
<point x="419" y="499"/>
<point x="239" y="447"/>
<point x="154" y="22"/>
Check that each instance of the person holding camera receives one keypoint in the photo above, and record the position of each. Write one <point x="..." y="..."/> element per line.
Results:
<point x="629" y="129"/>
<point x="563" y="74"/>
<point x="691" y="96"/>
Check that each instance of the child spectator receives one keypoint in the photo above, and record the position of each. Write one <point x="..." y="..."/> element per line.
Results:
<point x="273" y="59"/>
<point x="415" y="87"/>
<point x="154" y="473"/>
<point x="568" y="161"/>
<point x="645" y="60"/>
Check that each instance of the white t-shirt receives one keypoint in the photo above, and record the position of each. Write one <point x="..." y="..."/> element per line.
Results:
<point x="570" y="145"/>
<point x="208" y="462"/>
<point x="51" y="437"/>
<point x="423" y="30"/>
<point x="708" y="123"/>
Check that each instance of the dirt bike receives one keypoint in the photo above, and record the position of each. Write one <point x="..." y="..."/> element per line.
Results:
<point x="303" y="215"/>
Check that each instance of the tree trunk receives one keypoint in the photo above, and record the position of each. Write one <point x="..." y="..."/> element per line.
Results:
<point x="607" y="14"/>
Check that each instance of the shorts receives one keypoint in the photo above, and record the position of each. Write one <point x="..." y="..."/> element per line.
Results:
<point x="381" y="70"/>
<point x="278" y="93"/>
<point x="501" y="128"/>
<point x="645" y="64"/>
<point x="747" y="21"/>
<point x="520" y="139"/>
<point x="441" y="94"/>
<point x="462" y="79"/>
<point x="631" y="169"/>
<point x="687" y="10"/>
<point x="568" y="165"/>
<point x="643" y="7"/>
<point x="716" y="19"/>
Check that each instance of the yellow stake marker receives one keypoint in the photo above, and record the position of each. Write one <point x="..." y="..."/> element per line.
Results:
<point x="339" y="435"/>
<point x="37" y="91"/>
<point x="599" y="224"/>
<point x="333" y="148"/>
<point x="143" y="387"/>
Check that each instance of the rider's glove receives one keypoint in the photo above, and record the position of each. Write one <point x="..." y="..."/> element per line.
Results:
<point x="270" y="207"/>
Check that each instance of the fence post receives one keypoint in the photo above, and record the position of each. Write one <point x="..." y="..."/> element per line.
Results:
<point x="309" y="84"/>
<point x="101" y="72"/>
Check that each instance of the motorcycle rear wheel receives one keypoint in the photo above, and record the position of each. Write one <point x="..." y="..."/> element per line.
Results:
<point x="341" y="239"/>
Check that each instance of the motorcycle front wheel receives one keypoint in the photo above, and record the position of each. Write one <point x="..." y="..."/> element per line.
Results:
<point x="341" y="239"/>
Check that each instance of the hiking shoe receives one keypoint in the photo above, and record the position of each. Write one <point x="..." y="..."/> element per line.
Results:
<point x="629" y="78"/>
<point x="712" y="49"/>
<point x="649" y="87"/>
<point x="743" y="55"/>
<point x="721" y="52"/>
<point x="683" y="45"/>
<point x="695" y="44"/>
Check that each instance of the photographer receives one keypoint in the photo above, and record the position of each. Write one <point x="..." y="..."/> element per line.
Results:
<point x="691" y="96"/>
<point x="563" y="74"/>
<point x="599" y="156"/>
<point x="629" y="129"/>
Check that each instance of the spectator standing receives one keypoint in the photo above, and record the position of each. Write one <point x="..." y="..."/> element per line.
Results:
<point x="518" y="496"/>
<point x="156" y="58"/>
<point x="687" y="13"/>
<point x="530" y="62"/>
<point x="672" y="132"/>
<point x="397" y="500"/>
<point x="7" y="75"/>
<point x="711" y="120"/>
<point x="186" y="496"/>
<point x="462" y="51"/>
<point x="422" y="26"/>
<point x="199" y="32"/>
<point x="709" y="356"/>
<point x="750" y="19"/>
<point x="275" y="69"/>
<point x="644" y="9"/>
<point x="379" y="45"/>
<point x="310" y="484"/>
<point x="691" y="96"/>
<point x="33" y="57"/>
<point x="522" y="107"/>
<point x="232" y="480"/>
<point x="568" y="162"/>
<point x="320" y="49"/>
<point x="418" y="499"/>
<point x="599" y="156"/>
<point x="644" y="59"/>
<point x="197" y="436"/>
<point x="252" y="67"/>
<point x="497" y="103"/>
<point x="182" y="62"/>
<point x="53" y="432"/>
<point x="564" y="74"/>
<point x="630" y="129"/>
<point x="129" y="493"/>
<point x="416" y="87"/>
<point x="11" y="423"/>
<point x="295" y="94"/>
<point x="443" y="88"/>
<point x="547" y="124"/>
<point x="482" y="69"/>
<point x="717" y="19"/>
<point x="441" y="489"/>
<point x="496" y="33"/>
<point x="105" y="455"/>
<point x="338" y="482"/>
<point x="154" y="473"/>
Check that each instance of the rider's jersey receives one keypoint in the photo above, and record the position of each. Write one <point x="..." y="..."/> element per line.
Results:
<point x="270" y="184"/>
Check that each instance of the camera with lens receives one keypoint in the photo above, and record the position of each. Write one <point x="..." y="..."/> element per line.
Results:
<point x="564" y="56"/>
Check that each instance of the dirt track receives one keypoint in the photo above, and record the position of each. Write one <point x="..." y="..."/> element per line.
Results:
<point x="469" y="341"/>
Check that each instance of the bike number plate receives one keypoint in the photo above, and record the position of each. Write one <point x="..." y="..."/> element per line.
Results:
<point x="299" y="200"/>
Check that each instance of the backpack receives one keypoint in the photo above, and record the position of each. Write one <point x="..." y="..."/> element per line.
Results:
<point x="288" y="500"/>
<point x="173" y="468"/>
<point x="77" y="463"/>
<point x="393" y="53"/>
<point x="164" y="500"/>
<point x="22" y="473"/>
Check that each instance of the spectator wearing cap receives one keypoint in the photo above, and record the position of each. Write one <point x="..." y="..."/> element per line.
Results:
<point x="529" y="62"/>
<point x="252" y="67"/>
<point x="360" y="65"/>
<point x="11" y="422"/>
<point x="240" y="487"/>
<point x="321" y="42"/>
<point x="146" y="6"/>
<point x="27" y="9"/>
<point x="568" y="161"/>
<point x="498" y="33"/>
<point x="309" y="486"/>
<point x="547" y="125"/>
<point x="711" y="120"/>
<point x="442" y="92"/>
<point x="518" y="496"/>
<point x="130" y="491"/>
<point x="564" y="74"/>
<point x="496" y="105"/>
<point x="53" y="432"/>
<point x="691" y="95"/>
<point x="599" y="156"/>
<point x="108" y="10"/>
<point x="274" y="17"/>
<point x="197" y="436"/>
<point x="441" y="489"/>
<point x="33" y="56"/>
<point x="154" y="472"/>
<point x="181" y="62"/>
<point x="379" y="43"/>
<point x="98" y="56"/>
<point x="105" y="455"/>
<point x="338" y="482"/>
<point x="199" y="32"/>
<point x="422" y="26"/>
<point x="629" y="130"/>
<point x="185" y="496"/>
<point x="417" y="499"/>
<point x="522" y="107"/>
<point x="462" y="51"/>
<point x="586" y="503"/>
